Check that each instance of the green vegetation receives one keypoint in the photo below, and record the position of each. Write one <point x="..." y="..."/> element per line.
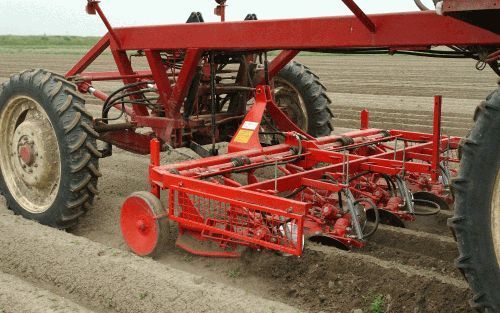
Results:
<point x="377" y="305"/>
<point x="46" y="44"/>
<point x="234" y="273"/>
<point x="44" y="41"/>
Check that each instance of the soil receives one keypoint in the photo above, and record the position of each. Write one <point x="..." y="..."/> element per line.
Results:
<point x="15" y="291"/>
<point x="411" y="270"/>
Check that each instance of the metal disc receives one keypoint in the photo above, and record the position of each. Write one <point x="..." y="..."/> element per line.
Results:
<point x="428" y="196"/>
<point x="140" y="226"/>
<point x="329" y="241"/>
<point x="385" y="217"/>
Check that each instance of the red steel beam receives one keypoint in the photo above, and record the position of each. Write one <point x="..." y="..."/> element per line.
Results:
<point x="436" y="138"/>
<point x="161" y="78"/>
<point x="90" y="57"/>
<point x="184" y="80"/>
<point x="280" y="61"/>
<point x="125" y="68"/>
<point x="393" y="30"/>
<point x="103" y="76"/>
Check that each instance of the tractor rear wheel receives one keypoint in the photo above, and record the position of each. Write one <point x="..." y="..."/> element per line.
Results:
<point x="302" y="97"/>
<point x="48" y="154"/>
<point x="476" y="223"/>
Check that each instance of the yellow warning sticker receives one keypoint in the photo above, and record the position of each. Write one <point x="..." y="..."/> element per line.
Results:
<point x="243" y="136"/>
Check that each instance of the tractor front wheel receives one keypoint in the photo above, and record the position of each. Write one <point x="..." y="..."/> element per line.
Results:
<point x="48" y="154"/>
<point x="476" y="223"/>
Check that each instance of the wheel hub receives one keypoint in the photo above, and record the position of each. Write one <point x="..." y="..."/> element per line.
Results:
<point x="141" y="226"/>
<point x="26" y="152"/>
<point x="32" y="158"/>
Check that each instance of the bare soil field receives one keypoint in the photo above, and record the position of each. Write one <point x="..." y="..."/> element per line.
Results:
<point x="89" y="269"/>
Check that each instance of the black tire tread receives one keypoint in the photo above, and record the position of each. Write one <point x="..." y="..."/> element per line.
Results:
<point x="471" y="261"/>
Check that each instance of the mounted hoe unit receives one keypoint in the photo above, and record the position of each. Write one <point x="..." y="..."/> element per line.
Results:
<point x="284" y="178"/>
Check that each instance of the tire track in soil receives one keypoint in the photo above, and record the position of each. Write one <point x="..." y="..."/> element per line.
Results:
<point x="14" y="293"/>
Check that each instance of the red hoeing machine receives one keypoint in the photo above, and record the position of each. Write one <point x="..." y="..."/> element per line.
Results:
<point x="277" y="184"/>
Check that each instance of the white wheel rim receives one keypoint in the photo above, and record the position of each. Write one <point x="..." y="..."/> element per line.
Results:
<point x="495" y="217"/>
<point x="29" y="156"/>
<point x="286" y="96"/>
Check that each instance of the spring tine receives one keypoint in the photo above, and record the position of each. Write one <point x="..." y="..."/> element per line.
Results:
<point x="347" y="170"/>
<point x="404" y="160"/>
<point x="276" y="176"/>
<point x="395" y="147"/>
<point x="355" y="221"/>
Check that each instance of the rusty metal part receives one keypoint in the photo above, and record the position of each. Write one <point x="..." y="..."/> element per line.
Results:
<point x="101" y="127"/>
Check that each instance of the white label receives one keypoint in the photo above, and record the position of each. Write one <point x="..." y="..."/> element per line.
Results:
<point x="250" y="125"/>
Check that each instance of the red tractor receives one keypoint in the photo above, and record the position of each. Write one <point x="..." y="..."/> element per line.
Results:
<point x="285" y="178"/>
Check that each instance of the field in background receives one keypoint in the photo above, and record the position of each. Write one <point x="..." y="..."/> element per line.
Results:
<point x="46" y="44"/>
<point x="73" y="45"/>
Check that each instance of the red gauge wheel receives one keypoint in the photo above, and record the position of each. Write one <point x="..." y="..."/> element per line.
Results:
<point x="144" y="226"/>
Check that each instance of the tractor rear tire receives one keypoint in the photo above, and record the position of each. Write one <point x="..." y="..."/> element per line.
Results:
<point x="476" y="223"/>
<point x="48" y="152"/>
<point x="303" y="98"/>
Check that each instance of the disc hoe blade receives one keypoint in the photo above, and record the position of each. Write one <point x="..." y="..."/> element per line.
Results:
<point x="330" y="241"/>
<point x="385" y="217"/>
